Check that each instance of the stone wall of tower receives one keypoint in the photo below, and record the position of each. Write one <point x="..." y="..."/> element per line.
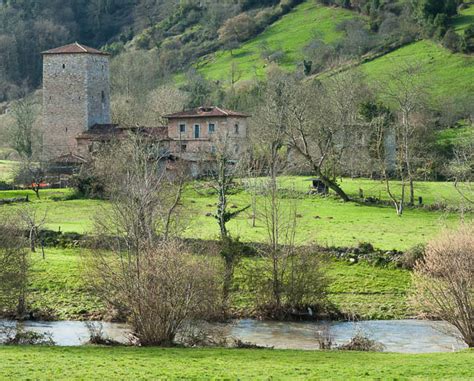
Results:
<point x="76" y="95"/>
<point x="98" y="90"/>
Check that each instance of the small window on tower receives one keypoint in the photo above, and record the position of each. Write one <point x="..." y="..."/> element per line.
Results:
<point x="64" y="66"/>
<point x="103" y="97"/>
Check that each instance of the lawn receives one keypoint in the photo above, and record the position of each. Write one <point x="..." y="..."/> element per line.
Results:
<point x="326" y="221"/>
<point x="289" y="34"/>
<point x="331" y="222"/>
<point x="58" y="287"/>
<point x="231" y="364"/>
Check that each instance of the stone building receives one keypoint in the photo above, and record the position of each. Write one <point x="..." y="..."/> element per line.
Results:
<point x="77" y="120"/>
<point x="76" y="96"/>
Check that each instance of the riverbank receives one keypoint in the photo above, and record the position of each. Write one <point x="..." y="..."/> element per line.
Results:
<point x="52" y="363"/>
<point x="58" y="290"/>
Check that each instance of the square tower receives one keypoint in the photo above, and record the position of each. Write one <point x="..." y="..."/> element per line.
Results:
<point x="76" y="96"/>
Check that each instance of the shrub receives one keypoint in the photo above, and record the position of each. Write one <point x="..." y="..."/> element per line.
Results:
<point x="360" y="342"/>
<point x="159" y="288"/>
<point x="444" y="280"/>
<point x="411" y="256"/>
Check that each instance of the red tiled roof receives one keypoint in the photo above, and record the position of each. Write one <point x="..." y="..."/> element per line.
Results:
<point x="202" y="112"/>
<point x="74" y="48"/>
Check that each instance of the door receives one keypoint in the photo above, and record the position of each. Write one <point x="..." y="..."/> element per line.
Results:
<point x="197" y="130"/>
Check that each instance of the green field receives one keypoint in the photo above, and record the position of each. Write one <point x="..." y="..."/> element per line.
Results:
<point x="289" y="35"/>
<point x="81" y="363"/>
<point x="326" y="221"/>
<point x="57" y="287"/>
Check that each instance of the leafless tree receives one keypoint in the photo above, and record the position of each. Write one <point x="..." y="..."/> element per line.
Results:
<point x="405" y="90"/>
<point x="34" y="222"/>
<point x="461" y="167"/>
<point x="144" y="195"/>
<point x="226" y="165"/>
<point x="323" y="124"/>
<point x="444" y="280"/>
<point x="159" y="293"/>
<point x="14" y="266"/>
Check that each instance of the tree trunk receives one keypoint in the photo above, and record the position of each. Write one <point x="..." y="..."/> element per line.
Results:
<point x="331" y="184"/>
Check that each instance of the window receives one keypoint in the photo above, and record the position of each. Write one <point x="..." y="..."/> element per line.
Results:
<point x="103" y="96"/>
<point x="197" y="131"/>
<point x="236" y="128"/>
<point x="212" y="128"/>
<point x="236" y="149"/>
<point x="182" y="128"/>
<point x="213" y="149"/>
<point x="64" y="66"/>
<point x="183" y="147"/>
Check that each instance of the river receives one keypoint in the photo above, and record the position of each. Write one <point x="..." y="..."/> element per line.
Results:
<point x="404" y="336"/>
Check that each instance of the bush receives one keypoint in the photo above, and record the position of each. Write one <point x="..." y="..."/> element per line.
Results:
<point x="300" y="287"/>
<point x="160" y="289"/>
<point x="443" y="284"/>
<point x="360" y="342"/>
<point x="411" y="256"/>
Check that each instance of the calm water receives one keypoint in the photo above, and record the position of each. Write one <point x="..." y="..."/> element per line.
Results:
<point x="407" y="336"/>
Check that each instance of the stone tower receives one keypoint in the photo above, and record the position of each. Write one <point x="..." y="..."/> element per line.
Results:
<point x="76" y="96"/>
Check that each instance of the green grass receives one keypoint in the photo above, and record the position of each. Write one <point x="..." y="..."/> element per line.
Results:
<point x="229" y="364"/>
<point x="326" y="221"/>
<point x="443" y="74"/>
<point x="464" y="19"/>
<point x="330" y="222"/>
<point x="354" y="289"/>
<point x="57" y="287"/>
<point x="289" y="34"/>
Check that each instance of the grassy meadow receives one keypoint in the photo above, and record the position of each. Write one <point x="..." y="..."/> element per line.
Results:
<point x="58" y="288"/>
<point x="443" y="73"/>
<point x="79" y="363"/>
<point x="289" y="35"/>
<point x="323" y="220"/>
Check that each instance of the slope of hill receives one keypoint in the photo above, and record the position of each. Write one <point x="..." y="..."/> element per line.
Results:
<point x="288" y="35"/>
<point x="446" y="74"/>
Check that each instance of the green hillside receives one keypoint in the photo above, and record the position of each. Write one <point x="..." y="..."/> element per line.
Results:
<point x="443" y="73"/>
<point x="446" y="74"/>
<point x="289" y="35"/>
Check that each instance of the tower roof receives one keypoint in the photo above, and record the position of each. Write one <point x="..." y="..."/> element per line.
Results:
<point x="74" y="48"/>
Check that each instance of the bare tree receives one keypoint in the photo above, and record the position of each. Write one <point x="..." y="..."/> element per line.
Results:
<point x="34" y="223"/>
<point x="226" y="167"/>
<point x="323" y="124"/>
<point x="14" y="266"/>
<point x="461" y="167"/>
<point x="444" y="280"/>
<point x="405" y="90"/>
<point x="31" y="174"/>
<point x="167" y="288"/>
<point x="23" y="135"/>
